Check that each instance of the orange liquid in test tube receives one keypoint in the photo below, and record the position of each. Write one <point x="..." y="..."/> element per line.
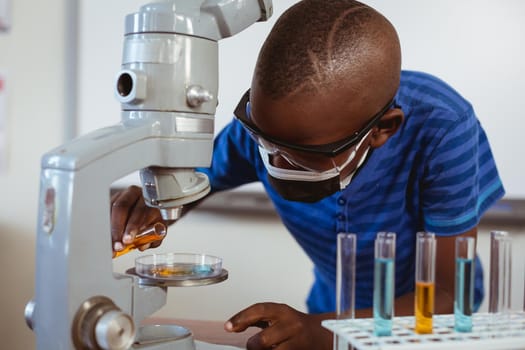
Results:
<point x="424" y="307"/>
<point x="151" y="234"/>
<point x="425" y="282"/>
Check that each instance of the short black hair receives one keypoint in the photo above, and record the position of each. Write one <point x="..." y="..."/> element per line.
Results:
<point x="316" y="42"/>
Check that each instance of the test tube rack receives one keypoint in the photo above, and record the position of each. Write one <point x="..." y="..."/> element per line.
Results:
<point x="489" y="331"/>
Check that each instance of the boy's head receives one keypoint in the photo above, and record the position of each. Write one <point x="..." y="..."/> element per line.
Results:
<point x="326" y="69"/>
<point x="318" y="45"/>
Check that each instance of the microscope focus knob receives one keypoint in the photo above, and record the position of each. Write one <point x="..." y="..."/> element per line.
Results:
<point x="29" y="313"/>
<point x="100" y="325"/>
<point x="115" y="331"/>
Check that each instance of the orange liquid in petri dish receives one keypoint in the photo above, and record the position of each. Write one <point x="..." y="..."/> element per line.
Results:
<point x="180" y="270"/>
<point x="172" y="270"/>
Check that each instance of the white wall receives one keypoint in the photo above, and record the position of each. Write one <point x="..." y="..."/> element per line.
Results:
<point x="33" y="56"/>
<point x="476" y="46"/>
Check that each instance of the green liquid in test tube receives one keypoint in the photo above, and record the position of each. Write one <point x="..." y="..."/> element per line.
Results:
<point x="384" y="282"/>
<point x="464" y="286"/>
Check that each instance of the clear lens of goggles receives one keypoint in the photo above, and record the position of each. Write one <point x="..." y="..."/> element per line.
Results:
<point x="308" y="160"/>
<point x="294" y="174"/>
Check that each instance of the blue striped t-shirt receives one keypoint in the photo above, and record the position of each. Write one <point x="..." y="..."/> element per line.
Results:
<point x="437" y="174"/>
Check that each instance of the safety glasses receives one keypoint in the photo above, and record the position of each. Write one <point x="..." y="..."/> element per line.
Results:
<point x="311" y="157"/>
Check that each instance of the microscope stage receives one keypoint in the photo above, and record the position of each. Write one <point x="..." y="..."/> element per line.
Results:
<point x="179" y="269"/>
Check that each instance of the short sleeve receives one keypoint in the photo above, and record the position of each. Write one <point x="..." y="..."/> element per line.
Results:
<point x="233" y="160"/>
<point x="461" y="180"/>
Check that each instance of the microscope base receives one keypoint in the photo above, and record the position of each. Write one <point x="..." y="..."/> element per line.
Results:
<point x="164" y="337"/>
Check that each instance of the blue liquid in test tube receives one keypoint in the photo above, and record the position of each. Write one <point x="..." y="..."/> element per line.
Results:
<point x="384" y="281"/>
<point x="464" y="290"/>
<point x="383" y="296"/>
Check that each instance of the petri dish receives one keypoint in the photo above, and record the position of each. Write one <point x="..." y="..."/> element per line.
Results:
<point x="178" y="266"/>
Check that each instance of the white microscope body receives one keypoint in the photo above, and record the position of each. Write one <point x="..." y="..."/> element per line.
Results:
<point x="168" y="90"/>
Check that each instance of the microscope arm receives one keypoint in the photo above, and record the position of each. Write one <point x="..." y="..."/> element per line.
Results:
<point x="131" y="146"/>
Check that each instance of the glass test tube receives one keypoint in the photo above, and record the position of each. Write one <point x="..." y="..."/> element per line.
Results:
<point x="152" y="233"/>
<point x="345" y="282"/>
<point x="425" y="281"/>
<point x="500" y="270"/>
<point x="464" y="286"/>
<point x="384" y="282"/>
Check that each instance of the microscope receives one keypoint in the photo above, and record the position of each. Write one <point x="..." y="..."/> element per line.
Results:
<point x="167" y="88"/>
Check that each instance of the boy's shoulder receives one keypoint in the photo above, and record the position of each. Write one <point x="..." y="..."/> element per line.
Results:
<point x="423" y="90"/>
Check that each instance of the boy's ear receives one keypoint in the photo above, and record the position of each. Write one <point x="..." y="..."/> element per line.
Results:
<point x="387" y="126"/>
